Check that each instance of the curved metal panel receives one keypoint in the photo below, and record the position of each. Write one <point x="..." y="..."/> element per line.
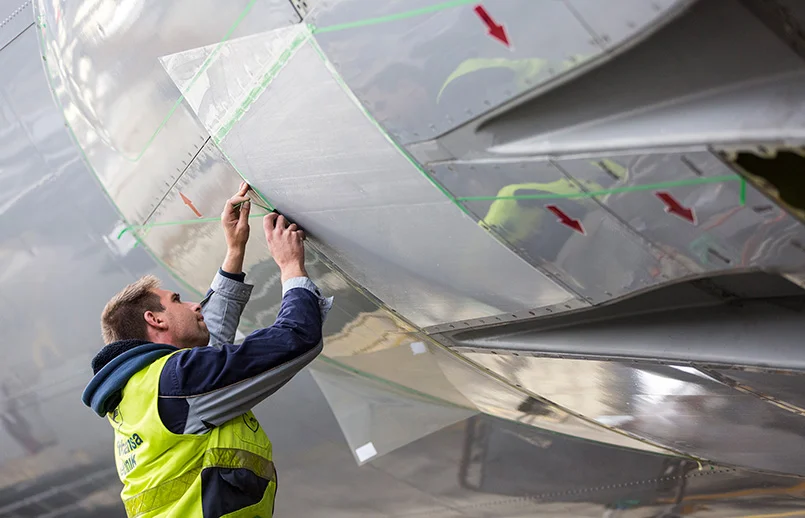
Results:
<point x="371" y="220"/>
<point x="780" y="388"/>
<point x="423" y="69"/>
<point x="124" y="110"/>
<point x="723" y="334"/>
<point x="701" y="96"/>
<point x="15" y="17"/>
<point x="550" y="220"/>
<point x="676" y="406"/>
<point x="694" y="208"/>
<point x="614" y="27"/>
<point x="58" y="245"/>
<point x="494" y="397"/>
<point x="215" y="80"/>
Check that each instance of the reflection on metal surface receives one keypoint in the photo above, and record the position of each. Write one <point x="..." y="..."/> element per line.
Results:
<point x="678" y="407"/>
<point x="381" y="332"/>
<point x="734" y="226"/>
<point x="131" y="121"/>
<point x="498" y="399"/>
<point x="425" y="276"/>
<point x="701" y="97"/>
<point x="547" y="218"/>
<point x="294" y="128"/>
<point x="423" y="73"/>
<point x="377" y="417"/>
<point x="718" y="332"/>
<point x="215" y="80"/>
<point x="784" y="389"/>
<point x="414" y="365"/>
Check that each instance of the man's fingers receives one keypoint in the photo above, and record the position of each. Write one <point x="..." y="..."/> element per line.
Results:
<point x="270" y="221"/>
<point x="244" y="188"/>
<point x="292" y="227"/>
<point x="234" y="200"/>
<point x="301" y="234"/>
<point x="282" y="223"/>
<point x="244" y="212"/>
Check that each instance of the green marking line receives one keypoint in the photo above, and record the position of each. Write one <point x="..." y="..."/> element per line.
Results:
<point x="201" y="70"/>
<point x="196" y="221"/>
<point x="634" y="188"/>
<point x="269" y="76"/>
<point x="178" y="102"/>
<point x="743" y="191"/>
<point x="394" y="17"/>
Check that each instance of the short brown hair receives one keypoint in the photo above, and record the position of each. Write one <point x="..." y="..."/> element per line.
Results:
<point x="122" y="318"/>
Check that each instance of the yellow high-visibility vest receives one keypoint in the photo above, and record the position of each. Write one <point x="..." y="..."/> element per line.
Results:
<point x="161" y="470"/>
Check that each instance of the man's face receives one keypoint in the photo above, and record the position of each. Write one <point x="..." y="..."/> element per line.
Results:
<point x="186" y="326"/>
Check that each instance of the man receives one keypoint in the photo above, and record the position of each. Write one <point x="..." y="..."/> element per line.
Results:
<point x="186" y="442"/>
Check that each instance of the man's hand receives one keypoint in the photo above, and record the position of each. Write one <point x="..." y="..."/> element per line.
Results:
<point x="285" y="245"/>
<point x="235" y="220"/>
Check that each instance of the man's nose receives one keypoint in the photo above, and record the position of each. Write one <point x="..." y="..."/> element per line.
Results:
<point x="195" y="306"/>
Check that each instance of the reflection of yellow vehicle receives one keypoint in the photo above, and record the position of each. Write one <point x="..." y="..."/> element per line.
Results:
<point x="517" y="213"/>
<point x="526" y="71"/>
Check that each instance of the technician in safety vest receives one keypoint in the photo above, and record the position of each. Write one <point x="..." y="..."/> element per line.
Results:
<point x="179" y="394"/>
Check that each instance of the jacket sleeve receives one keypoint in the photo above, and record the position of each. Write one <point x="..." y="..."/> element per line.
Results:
<point x="205" y="387"/>
<point x="223" y="306"/>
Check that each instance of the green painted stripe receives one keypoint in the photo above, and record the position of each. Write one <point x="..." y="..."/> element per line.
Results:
<point x="201" y="70"/>
<point x="269" y="205"/>
<point x="394" y="17"/>
<point x="261" y="86"/>
<point x="743" y="191"/>
<point x="618" y="190"/>
<point x="149" y="226"/>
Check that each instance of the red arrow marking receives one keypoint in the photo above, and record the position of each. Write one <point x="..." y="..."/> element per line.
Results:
<point x="496" y="30"/>
<point x="189" y="203"/>
<point x="674" y="207"/>
<point x="566" y="220"/>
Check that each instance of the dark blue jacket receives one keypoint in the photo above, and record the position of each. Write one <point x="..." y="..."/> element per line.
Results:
<point x="206" y="386"/>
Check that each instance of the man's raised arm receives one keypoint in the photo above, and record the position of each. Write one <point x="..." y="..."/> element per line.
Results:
<point x="228" y="294"/>
<point x="204" y="387"/>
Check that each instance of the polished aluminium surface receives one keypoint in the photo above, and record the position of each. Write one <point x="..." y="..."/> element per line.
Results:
<point x="704" y="95"/>
<point x="383" y="222"/>
<point x="678" y="406"/>
<point x="117" y="99"/>
<point x="421" y="76"/>
<point x="242" y="148"/>
<point x="189" y="249"/>
<point x="720" y="329"/>
<point x="60" y="246"/>
<point x="192" y="250"/>
<point x="601" y="260"/>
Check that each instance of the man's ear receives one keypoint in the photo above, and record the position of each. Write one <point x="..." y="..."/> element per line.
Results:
<point x="155" y="320"/>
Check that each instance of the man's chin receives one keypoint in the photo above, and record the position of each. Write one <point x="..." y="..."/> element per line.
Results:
<point x="203" y="339"/>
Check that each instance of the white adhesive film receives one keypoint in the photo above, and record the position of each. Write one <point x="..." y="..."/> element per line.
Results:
<point x="366" y="452"/>
<point x="418" y="348"/>
<point x="377" y="416"/>
<point x="216" y="79"/>
<point x="313" y="153"/>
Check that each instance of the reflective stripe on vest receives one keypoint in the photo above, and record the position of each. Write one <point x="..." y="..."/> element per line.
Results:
<point x="172" y="490"/>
